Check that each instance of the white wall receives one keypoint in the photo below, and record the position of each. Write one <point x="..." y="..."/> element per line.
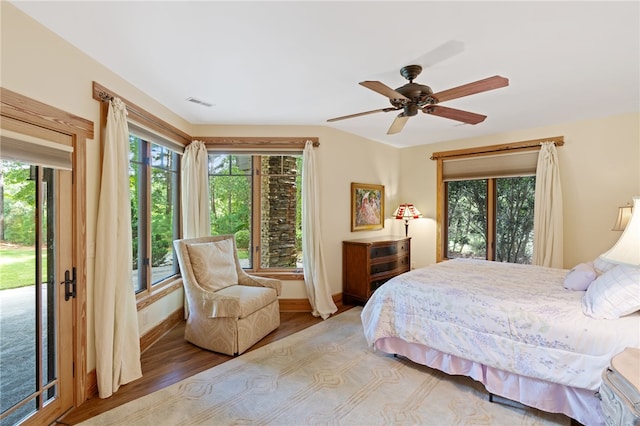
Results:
<point x="599" y="171"/>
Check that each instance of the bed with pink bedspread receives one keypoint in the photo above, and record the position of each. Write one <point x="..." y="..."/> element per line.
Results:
<point x="514" y="328"/>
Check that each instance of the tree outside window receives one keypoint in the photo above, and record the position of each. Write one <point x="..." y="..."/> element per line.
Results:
<point x="491" y="219"/>
<point x="258" y="199"/>
<point x="155" y="206"/>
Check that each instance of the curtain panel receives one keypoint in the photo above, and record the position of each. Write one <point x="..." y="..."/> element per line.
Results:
<point x="547" y="218"/>
<point x="196" y="221"/>
<point x="116" y="318"/>
<point x="315" y="275"/>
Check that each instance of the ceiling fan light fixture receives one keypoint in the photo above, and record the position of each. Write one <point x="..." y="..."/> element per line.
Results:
<point x="410" y="110"/>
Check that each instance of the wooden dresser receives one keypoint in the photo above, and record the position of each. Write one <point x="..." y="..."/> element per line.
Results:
<point x="368" y="263"/>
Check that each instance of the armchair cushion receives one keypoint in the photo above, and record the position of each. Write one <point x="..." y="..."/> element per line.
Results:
<point x="249" y="299"/>
<point x="214" y="264"/>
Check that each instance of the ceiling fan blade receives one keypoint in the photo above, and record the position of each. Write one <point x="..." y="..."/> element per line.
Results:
<point x="383" y="89"/>
<point x="454" y="114"/>
<point x="344" y="117"/>
<point x="398" y="124"/>
<point x="479" y="86"/>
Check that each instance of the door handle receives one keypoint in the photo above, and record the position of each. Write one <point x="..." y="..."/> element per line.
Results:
<point x="69" y="284"/>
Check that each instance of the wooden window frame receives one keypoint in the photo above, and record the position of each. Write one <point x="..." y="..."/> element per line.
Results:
<point x="293" y="147"/>
<point x="441" y="156"/>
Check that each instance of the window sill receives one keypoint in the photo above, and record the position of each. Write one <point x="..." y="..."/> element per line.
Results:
<point x="158" y="291"/>
<point x="283" y="276"/>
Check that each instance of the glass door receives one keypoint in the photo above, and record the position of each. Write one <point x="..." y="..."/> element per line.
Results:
<point x="36" y="304"/>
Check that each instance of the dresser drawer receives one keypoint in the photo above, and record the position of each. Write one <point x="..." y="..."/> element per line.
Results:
<point x="393" y="265"/>
<point x="395" y="249"/>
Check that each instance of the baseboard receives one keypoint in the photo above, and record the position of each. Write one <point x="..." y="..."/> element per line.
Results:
<point x="92" y="385"/>
<point x="146" y="341"/>
<point x="303" y="305"/>
<point x="161" y="329"/>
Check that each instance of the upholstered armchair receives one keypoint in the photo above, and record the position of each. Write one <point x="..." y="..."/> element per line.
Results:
<point x="228" y="310"/>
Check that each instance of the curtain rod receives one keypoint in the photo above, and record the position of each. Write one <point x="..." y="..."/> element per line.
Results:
<point x="512" y="146"/>
<point x="102" y="94"/>
<point x="253" y="143"/>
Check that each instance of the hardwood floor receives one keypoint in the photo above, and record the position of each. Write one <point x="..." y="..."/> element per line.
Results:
<point x="172" y="359"/>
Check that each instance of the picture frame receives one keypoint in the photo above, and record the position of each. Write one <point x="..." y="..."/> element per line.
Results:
<point x="367" y="207"/>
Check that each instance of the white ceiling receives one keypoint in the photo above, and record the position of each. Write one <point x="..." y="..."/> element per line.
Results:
<point x="299" y="63"/>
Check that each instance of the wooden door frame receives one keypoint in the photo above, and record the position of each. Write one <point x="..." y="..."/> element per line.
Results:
<point x="35" y="113"/>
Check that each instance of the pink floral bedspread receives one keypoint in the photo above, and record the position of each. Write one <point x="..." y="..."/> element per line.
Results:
<point x="517" y="318"/>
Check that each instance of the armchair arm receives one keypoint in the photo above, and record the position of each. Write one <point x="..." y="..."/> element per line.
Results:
<point x="212" y="305"/>
<point x="256" y="281"/>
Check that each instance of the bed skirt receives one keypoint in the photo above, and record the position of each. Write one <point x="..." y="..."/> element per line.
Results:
<point x="580" y="404"/>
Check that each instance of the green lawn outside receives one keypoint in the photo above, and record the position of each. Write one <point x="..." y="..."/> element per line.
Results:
<point x="17" y="266"/>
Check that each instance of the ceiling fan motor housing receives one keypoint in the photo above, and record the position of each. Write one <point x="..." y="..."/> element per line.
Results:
<point x="418" y="95"/>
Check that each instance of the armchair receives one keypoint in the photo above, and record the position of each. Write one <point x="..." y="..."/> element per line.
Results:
<point x="229" y="310"/>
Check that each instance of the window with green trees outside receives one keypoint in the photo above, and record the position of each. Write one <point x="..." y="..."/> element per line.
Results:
<point x="155" y="211"/>
<point x="491" y="219"/>
<point x="258" y="199"/>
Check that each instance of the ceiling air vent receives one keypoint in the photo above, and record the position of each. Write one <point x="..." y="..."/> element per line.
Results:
<point x="200" y="102"/>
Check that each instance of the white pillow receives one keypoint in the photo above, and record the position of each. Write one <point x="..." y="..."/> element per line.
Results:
<point x="214" y="264"/>
<point x="602" y="265"/>
<point x="614" y="294"/>
<point x="580" y="277"/>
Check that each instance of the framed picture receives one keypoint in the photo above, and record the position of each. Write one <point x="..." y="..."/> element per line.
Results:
<point x="367" y="207"/>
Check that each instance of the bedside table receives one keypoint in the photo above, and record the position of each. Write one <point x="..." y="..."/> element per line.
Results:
<point x="620" y="389"/>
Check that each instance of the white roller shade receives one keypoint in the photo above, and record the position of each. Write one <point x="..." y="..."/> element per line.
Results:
<point x="151" y="136"/>
<point x="31" y="150"/>
<point x="490" y="166"/>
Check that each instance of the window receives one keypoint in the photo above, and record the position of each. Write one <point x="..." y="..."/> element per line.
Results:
<point x="155" y="206"/>
<point x="490" y="219"/>
<point x="258" y="199"/>
<point x="486" y="198"/>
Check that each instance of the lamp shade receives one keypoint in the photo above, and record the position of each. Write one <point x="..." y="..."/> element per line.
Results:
<point x="624" y="214"/>
<point x="407" y="211"/>
<point x="627" y="249"/>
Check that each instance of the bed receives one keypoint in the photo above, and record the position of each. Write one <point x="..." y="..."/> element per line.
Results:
<point x="514" y="328"/>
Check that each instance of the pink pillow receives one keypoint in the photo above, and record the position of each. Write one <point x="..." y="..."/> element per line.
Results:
<point x="580" y="277"/>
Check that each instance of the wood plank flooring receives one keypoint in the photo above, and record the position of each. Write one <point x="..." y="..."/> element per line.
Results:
<point x="172" y="359"/>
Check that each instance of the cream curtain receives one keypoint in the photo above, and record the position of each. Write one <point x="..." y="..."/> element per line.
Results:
<point x="547" y="219"/>
<point x="116" y="318"/>
<point x="315" y="276"/>
<point x="195" y="191"/>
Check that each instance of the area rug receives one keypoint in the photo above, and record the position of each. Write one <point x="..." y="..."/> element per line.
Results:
<point x="323" y="375"/>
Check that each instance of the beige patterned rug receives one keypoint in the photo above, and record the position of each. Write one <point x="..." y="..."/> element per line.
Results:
<point x="323" y="375"/>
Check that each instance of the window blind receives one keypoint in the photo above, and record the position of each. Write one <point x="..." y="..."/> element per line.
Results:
<point x="32" y="150"/>
<point x="490" y="166"/>
<point x="151" y="136"/>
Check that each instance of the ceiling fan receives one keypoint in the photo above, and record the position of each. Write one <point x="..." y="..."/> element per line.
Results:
<point x="413" y="97"/>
